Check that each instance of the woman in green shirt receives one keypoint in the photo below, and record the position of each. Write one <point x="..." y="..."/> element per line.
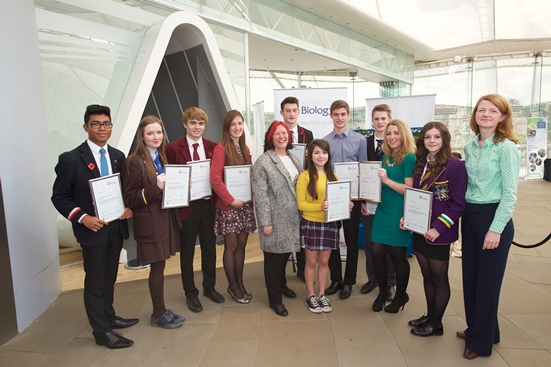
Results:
<point x="493" y="163"/>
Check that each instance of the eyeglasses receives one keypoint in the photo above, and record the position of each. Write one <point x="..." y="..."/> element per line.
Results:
<point x="97" y="124"/>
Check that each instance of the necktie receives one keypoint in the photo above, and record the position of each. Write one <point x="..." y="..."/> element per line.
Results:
<point x="158" y="165"/>
<point x="425" y="183"/>
<point x="293" y="136"/>
<point x="379" y="146"/>
<point x="195" y="152"/>
<point x="103" y="163"/>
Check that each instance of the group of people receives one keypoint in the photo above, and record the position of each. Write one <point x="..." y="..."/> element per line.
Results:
<point x="289" y="209"/>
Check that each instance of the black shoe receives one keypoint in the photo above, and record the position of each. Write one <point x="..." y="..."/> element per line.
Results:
<point x="213" y="295"/>
<point x="300" y="275"/>
<point x="194" y="305"/>
<point x="333" y="288"/>
<point x="112" y="340"/>
<point x="279" y="309"/>
<point x="368" y="287"/>
<point x="427" y="330"/>
<point x="288" y="293"/>
<point x="391" y="293"/>
<point x="419" y="322"/>
<point x="379" y="303"/>
<point x="346" y="291"/>
<point x="120" y="323"/>
<point x="397" y="303"/>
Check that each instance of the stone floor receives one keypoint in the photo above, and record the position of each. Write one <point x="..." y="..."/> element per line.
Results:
<point x="352" y="335"/>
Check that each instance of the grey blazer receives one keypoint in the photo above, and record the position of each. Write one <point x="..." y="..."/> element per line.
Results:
<point x="275" y="203"/>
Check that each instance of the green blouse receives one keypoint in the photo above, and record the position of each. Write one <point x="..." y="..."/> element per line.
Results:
<point x="493" y="172"/>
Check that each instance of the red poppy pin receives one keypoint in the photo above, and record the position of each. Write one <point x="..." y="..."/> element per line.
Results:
<point x="91" y="166"/>
<point x="116" y="166"/>
<point x="209" y="154"/>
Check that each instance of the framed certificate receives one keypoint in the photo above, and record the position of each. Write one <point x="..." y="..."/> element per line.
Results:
<point x="349" y="171"/>
<point x="107" y="196"/>
<point x="370" y="182"/>
<point x="338" y="198"/>
<point x="299" y="151"/>
<point x="238" y="182"/>
<point x="176" y="192"/>
<point x="417" y="210"/>
<point x="200" y="180"/>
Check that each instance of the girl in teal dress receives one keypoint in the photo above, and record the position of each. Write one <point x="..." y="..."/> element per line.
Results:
<point x="396" y="174"/>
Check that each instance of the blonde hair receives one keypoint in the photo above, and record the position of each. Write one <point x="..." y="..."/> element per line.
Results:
<point x="407" y="142"/>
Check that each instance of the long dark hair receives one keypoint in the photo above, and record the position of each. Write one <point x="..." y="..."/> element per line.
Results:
<point x="150" y="171"/>
<point x="234" y="159"/>
<point x="269" y="137"/>
<point x="313" y="171"/>
<point x="441" y="158"/>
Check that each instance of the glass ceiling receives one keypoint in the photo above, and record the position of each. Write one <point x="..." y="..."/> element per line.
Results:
<point x="443" y="24"/>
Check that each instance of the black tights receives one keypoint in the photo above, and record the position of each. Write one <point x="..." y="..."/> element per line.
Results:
<point x="156" y="287"/>
<point x="401" y="267"/>
<point x="234" y="261"/>
<point x="437" y="287"/>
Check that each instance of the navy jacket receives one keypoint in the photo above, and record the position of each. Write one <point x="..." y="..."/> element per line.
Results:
<point x="71" y="189"/>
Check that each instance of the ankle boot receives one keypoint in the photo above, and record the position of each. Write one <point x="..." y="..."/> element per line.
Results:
<point x="380" y="302"/>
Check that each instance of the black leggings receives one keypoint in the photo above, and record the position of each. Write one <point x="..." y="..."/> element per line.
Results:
<point x="437" y="287"/>
<point x="156" y="287"/>
<point x="401" y="267"/>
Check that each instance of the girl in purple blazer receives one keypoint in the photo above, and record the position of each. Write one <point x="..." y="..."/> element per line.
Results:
<point x="438" y="171"/>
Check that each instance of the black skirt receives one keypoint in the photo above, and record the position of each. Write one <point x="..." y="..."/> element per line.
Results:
<point x="431" y="251"/>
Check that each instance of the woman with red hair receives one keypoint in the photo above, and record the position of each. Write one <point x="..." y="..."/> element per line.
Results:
<point x="274" y="178"/>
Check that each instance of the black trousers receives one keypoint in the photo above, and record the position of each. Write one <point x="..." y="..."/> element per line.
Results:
<point x="201" y="222"/>
<point x="351" y="230"/>
<point x="483" y="272"/>
<point x="274" y="275"/>
<point x="101" y="264"/>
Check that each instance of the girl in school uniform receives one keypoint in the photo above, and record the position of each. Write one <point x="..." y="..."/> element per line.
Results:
<point x="317" y="237"/>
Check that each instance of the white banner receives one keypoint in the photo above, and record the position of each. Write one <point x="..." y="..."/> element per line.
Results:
<point x="314" y="104"/>
<point x="416" y="111"/>
<point x="259" y="130"/>
<point x="536" y="146"/>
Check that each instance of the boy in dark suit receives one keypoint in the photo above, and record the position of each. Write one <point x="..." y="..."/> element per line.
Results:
<point x="381" y="115"/>
<point x="198" y="218"/>
<point x="101" y="242"/>
<point x="289" y="111"/>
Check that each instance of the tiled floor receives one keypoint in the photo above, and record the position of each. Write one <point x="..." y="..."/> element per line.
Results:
<point x="352" y="335"/>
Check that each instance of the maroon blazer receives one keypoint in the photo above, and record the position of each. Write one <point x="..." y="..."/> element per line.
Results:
<point x="177" y="152"/>
<point x="143" y="196"/>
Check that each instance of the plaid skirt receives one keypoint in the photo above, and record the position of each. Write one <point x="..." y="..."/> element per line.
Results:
<point x="234" y="221"/>
<point x="317" y="236"/>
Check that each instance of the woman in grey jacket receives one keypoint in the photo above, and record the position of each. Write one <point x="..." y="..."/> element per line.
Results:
<point x="274" y="177"/>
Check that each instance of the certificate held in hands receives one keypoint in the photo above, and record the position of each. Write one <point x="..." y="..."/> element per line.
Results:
<point x="349" y="171"/>
<point x="417" y="210"/>
<point x="299" y="151"/>
<point x="200" y="180"/>
<point x="370" y="182"/>
<point x="338" y="198"/>
<point x="176" y="191"/>
<point x="238" y="182"/>
<point x="107" y="196"/>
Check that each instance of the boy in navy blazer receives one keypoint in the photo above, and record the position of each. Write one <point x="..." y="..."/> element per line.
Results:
<point x="101" y="242"/>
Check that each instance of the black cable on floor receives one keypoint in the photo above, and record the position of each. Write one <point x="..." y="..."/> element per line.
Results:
<point x="534" y="245"/>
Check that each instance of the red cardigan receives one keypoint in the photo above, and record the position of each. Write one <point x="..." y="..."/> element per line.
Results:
<point x="217" y="164"/>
